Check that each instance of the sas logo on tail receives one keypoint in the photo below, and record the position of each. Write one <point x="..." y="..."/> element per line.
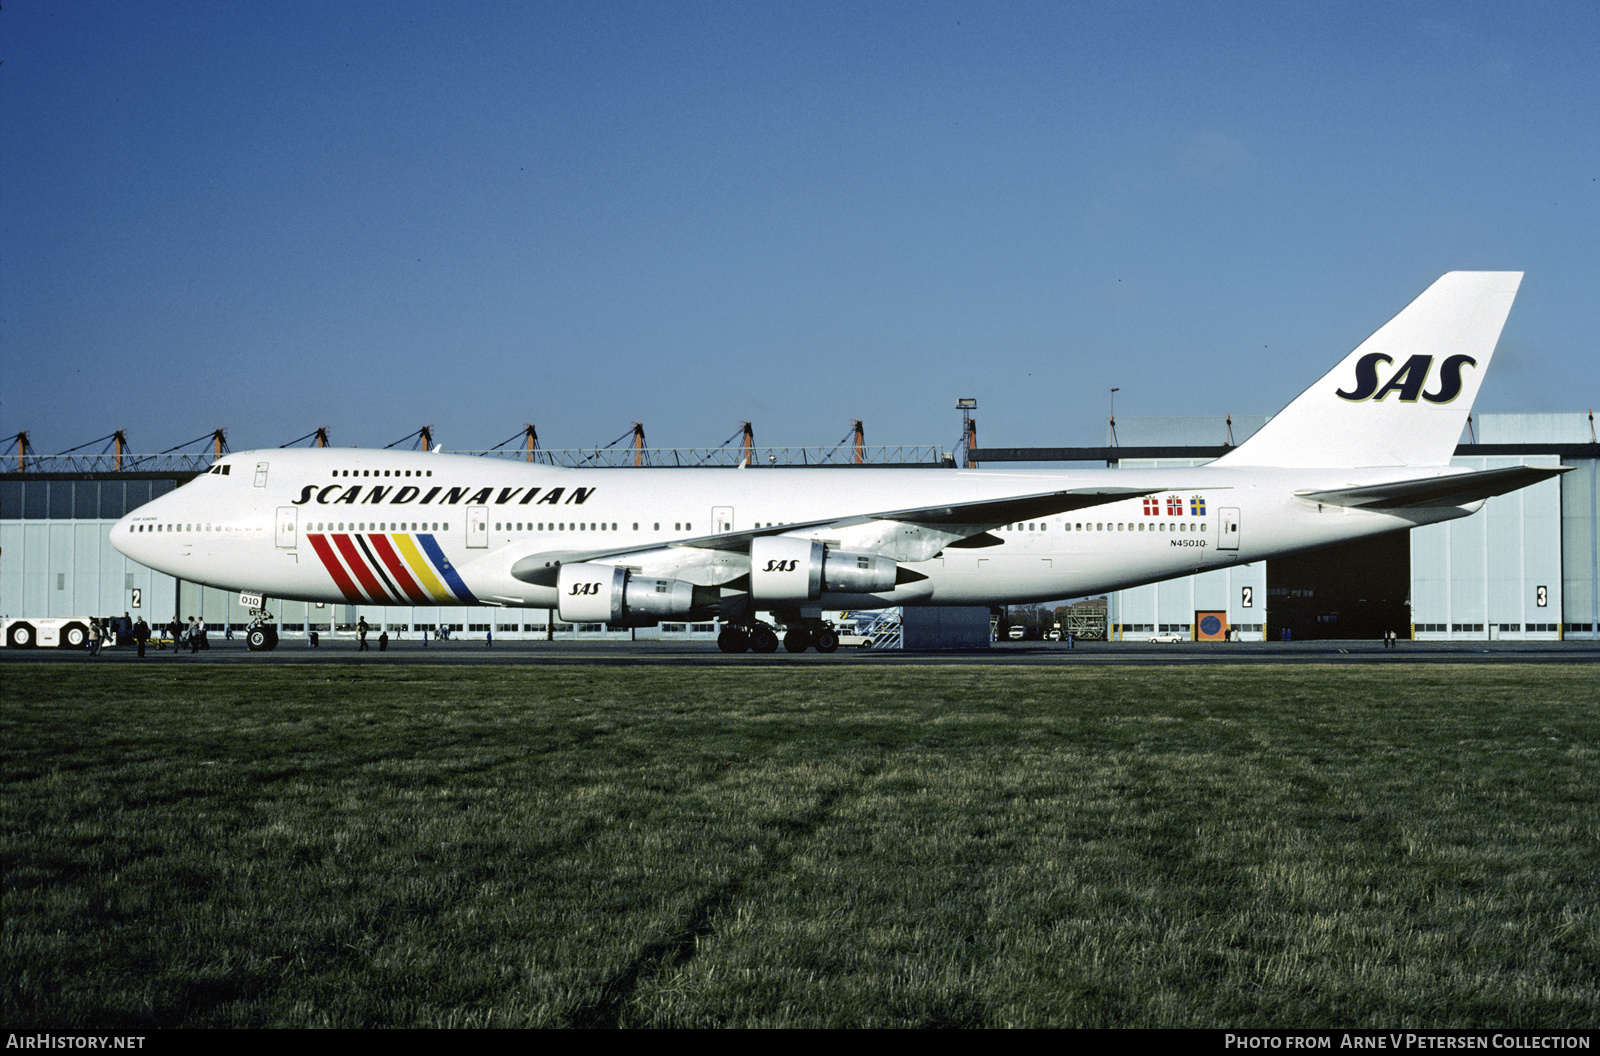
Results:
<point x="1409" y="380"/>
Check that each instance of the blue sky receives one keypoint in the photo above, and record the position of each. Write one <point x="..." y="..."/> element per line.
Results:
<point x="370" y="217"/>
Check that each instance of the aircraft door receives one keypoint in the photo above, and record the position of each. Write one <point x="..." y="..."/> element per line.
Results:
<point x="721" y="519"/>
<point x="1228" y="529"/>
<point x="478" y="526"/>
<point x="288" y="529"/>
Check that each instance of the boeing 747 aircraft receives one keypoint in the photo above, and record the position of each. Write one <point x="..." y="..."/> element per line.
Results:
<point x="1363" y="451"/>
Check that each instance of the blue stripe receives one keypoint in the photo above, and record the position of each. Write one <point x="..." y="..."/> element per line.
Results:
<point x="441" y="564"/>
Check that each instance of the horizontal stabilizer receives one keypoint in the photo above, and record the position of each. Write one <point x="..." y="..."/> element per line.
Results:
<point x="1458" y="489"/>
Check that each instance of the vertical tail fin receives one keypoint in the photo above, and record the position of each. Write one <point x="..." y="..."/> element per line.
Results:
<point x="1402" y="397"/>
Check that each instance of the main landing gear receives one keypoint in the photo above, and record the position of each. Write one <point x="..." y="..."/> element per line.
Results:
<point x="760" y="638"/>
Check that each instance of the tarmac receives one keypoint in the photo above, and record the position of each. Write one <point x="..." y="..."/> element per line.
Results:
<point x="702" y="653"/>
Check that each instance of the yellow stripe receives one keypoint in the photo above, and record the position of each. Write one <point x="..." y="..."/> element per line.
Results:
<point x="420" y="566"/>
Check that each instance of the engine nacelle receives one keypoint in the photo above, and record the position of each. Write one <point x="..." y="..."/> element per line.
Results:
<point x="595" y="593"/>
<point x="786" y="570"/>
<point x="844" y="572"/>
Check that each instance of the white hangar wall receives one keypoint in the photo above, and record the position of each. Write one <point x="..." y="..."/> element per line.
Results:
<point x="1496" y="574"/>
<point x="1580" y="548"/>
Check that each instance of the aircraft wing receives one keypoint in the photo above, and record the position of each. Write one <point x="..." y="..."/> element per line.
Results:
<point x="984" y="512"/>
<point x="1014" y="508"/>
<point x="947" y="522"/>
<point x="1458" y="489"/>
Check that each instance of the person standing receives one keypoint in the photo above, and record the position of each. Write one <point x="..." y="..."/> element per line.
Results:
<point x="141" y="635"/>
<point x="361" y="632"/>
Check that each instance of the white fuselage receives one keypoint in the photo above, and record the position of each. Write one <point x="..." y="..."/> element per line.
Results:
<point x="386" y="527"/>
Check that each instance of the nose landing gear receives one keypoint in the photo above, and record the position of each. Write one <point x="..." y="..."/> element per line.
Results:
<point x="261" y="635"/>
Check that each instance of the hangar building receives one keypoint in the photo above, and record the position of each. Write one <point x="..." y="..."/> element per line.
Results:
<point x="1527" y="567"/>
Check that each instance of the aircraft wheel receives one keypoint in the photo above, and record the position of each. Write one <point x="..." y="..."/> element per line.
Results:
<point x="733" y="640"/>
<point x="763" y="640"/>
<point x="796" y="640"/>
<point x="260" y="639"/>
<point x="272" y="637"/>
<point x="20" y="636"/>
<point x="827" y="641"/>
<point x="74" y="635"/>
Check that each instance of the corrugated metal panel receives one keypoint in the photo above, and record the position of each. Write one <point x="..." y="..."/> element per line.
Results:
<point x="1479" y="577"/>
<point x="1174" y="602"/>
<point x="1580" y="548"/>
<point x="1564" y="428"/>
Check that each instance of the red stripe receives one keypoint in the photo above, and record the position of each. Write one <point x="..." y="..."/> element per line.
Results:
<point x="330" y="561"/>
<point x="397" y="568"/>
<point x="358" y="565"/>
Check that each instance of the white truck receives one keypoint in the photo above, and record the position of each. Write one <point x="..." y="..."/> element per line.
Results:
<point x="25" y="632"/>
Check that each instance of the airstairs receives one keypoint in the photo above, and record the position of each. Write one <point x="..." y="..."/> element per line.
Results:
<point x="885" y="632"/>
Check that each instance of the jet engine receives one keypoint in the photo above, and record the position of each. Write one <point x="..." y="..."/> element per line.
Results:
<point x="785" y="570"/>
<point x="595" y="593"/>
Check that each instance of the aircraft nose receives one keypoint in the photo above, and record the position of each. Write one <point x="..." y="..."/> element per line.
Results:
<point x="122" y="535"/>
<point x="128" y="539"/>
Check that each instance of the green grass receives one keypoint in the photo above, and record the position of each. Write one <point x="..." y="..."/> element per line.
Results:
<point x="643" y="846"/>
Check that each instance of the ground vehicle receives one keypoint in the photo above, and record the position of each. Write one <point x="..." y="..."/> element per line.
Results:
<point x="66" y="632"/>
<point x="1168" y="637"/>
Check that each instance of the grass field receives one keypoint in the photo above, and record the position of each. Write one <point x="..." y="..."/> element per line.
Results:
<point x="643" y="846"/>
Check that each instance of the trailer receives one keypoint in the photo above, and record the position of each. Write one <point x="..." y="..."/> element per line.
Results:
<point x="28" y="632"/>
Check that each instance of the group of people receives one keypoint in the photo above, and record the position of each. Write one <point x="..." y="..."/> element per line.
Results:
<point x="192" y="634"/>
<point x="104" y="630"/>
